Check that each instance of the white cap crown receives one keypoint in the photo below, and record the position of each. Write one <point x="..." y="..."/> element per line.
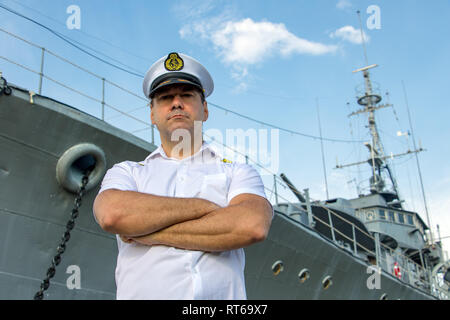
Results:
<point x="177" y="68"/>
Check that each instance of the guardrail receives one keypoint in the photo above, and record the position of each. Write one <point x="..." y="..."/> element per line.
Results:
<point x="419" y="278"/>
<point x="102" y="102"/>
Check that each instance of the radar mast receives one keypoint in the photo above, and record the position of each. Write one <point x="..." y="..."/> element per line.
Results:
<point x="370" y="101"/>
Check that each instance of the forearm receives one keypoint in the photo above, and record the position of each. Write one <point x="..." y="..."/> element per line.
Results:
<point x="229" y="228"/>
<point x="135" y="214"/>
<point x="209" y="233"/>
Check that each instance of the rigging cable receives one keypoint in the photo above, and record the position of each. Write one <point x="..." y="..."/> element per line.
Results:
<point x="69" y="41"/>
<point x="280" y="128"/>
<point x="81" y="31"/>
<point x="418" y="165"/>
<point x="66" y="39"/>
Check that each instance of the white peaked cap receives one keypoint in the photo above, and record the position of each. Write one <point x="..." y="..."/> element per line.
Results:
<point x="177" y="68"/>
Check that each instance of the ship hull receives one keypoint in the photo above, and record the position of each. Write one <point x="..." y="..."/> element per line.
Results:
<point x="34" y="208"/>
<point x="299" y="248"/>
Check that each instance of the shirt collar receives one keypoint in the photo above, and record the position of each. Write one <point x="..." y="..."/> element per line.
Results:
<point x="160" y="152"/>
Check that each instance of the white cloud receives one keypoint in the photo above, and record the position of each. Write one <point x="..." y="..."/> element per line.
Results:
<point x="248" y="42"/>
<point x="193" y="9"/>
<point x="243" y="43"/>
<point x="343" y="4"/>
<point x="350" y="34"/>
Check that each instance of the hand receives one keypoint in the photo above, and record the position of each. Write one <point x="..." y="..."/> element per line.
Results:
<point x="126" y="239"/>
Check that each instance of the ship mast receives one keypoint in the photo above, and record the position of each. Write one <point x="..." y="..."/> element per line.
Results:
<point x="370" y="101"/>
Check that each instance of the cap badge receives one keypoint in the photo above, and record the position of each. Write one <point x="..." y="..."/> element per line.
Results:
<point x="174" y="62"/>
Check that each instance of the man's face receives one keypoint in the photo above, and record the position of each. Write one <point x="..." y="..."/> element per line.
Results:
<point x="177" y="107"/>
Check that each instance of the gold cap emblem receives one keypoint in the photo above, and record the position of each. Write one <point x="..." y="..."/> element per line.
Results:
<point x="174" y="62"/>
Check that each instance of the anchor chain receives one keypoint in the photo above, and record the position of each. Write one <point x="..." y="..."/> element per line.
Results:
<point x="4" y="88"/>
<point x="62" y="246"/>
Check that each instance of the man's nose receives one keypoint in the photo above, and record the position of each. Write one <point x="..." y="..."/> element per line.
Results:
<point x="177" y="102"/>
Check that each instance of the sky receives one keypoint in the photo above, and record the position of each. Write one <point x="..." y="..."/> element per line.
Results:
<point x="286" y="64"/>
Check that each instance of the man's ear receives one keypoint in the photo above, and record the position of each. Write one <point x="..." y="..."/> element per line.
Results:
<point x="151" y="113"/>
<point x="205" y="111"/>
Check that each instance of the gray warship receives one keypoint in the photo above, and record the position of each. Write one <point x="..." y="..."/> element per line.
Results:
<point x="368" y="247"/>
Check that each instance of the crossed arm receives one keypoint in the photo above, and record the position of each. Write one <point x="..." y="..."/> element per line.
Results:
<point x="188" y="223"/>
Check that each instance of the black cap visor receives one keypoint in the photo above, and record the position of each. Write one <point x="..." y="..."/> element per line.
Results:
<point x="174" y="78"/>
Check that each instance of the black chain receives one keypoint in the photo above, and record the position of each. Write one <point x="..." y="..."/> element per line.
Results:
<point x="4" y="88"/>
<point x="62" y="246"/>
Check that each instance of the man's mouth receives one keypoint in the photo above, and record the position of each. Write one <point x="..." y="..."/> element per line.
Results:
<point x="177" y="116"/>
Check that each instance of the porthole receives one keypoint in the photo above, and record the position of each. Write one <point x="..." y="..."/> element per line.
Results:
<point x="304" y="275"/>
<point x="370" y="215"/>
<point x="327" y="282"/>
<point x="277" y="267"/>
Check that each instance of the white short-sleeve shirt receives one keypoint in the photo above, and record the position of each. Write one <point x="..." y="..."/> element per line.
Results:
<point x="163" y="272"/>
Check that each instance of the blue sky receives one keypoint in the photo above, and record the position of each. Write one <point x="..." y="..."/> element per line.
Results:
<point x="271" y="61"/>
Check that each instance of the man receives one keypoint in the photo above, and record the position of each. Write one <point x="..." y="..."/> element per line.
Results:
<point x="183" y="215"/>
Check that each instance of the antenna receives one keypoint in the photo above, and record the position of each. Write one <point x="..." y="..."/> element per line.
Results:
<point x="321" y="147"/>
<point x="362" y="38"/>
<point x="417" y="161"/>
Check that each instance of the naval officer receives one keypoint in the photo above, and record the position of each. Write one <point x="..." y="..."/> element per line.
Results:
<point x="183" y="215"/>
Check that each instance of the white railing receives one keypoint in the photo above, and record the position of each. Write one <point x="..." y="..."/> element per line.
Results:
<point x="411" y="272"/>
<point x="101" y="101"/>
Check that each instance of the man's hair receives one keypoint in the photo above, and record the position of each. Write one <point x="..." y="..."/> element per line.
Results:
<point x="198" y="90"/>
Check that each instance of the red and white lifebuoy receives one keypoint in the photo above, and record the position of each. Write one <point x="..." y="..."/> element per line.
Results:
<point x="397" y="271"/>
